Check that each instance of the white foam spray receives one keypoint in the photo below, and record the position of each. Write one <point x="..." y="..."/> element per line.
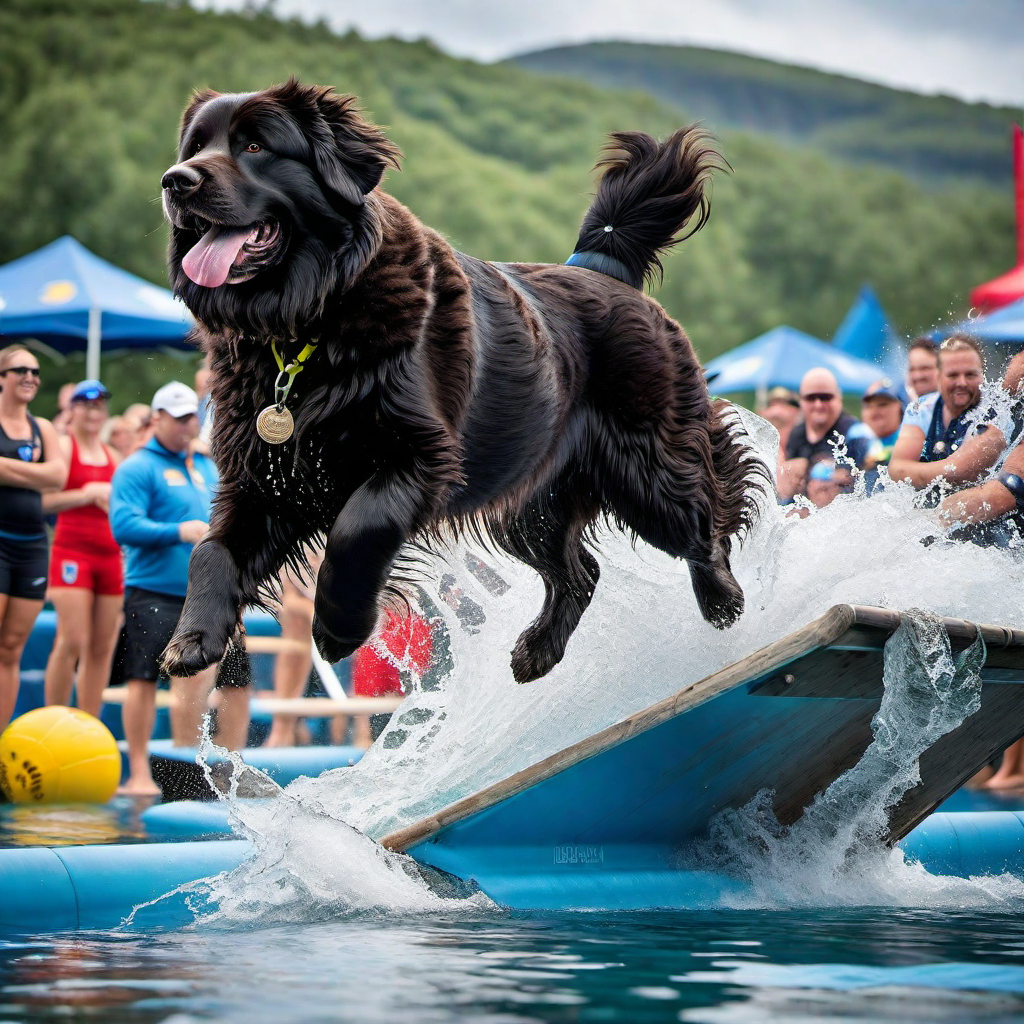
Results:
<point x="834" y="854"/>
<point x="641" y="640"/>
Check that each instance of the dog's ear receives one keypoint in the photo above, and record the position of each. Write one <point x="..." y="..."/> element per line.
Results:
<point x="199" y="97"/>
<point x="351" y="154"/>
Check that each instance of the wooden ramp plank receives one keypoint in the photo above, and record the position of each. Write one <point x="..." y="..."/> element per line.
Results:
<point x="790" y="717"/>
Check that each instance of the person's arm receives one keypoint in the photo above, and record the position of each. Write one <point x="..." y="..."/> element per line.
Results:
<point x="967" y="463"/>
<point x="62" y="500"/>
<point x="792" y="477"/>
<point x="906" y="454"/>
<point x="130" y="521"/>
<point x="986" y="501"/>
<point x="49" y="474"/>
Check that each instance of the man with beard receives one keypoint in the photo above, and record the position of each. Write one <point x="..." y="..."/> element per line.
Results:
<point x="945" y="436"/>
<point x="992" y="511"/>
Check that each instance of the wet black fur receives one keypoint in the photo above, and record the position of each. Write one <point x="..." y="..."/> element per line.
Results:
<point x="523" y="401"/>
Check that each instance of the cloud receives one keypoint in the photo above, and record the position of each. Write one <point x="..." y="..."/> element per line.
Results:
<point x="974" y="51"/>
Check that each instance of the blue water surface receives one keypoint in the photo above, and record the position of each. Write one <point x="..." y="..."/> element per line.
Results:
<point x="862" y="965"/>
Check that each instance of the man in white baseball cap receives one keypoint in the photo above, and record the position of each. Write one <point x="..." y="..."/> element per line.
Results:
<point x="176" y="398"/>
<point x="159" y="510"/>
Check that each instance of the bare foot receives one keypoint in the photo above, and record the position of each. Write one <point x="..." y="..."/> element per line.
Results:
<point x="279" y="740"/>
<point x="1005" y="782"/>
<point x="981" y="779"/>
<point x="138" y="787"/>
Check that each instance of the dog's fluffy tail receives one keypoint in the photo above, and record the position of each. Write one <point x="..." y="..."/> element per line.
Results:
<point x="739" y="475"/>
<point x="648" y="193"/>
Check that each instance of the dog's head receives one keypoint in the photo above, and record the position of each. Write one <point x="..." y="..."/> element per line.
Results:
<point x="269" y="204"/>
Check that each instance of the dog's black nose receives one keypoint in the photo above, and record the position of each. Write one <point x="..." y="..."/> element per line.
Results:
<point x="181" y="179"/>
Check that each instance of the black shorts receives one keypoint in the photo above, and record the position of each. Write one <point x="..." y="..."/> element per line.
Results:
<point x="149" y="622"/>
<point x="24" y="567"/>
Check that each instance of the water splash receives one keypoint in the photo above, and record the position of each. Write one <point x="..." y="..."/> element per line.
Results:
<point x="641" y="640"/>
<point x="834" y="854"/>
<point x="317" y="867"/>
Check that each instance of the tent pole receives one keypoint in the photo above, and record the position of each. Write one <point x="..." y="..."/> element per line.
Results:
<point x="92" y="348"/>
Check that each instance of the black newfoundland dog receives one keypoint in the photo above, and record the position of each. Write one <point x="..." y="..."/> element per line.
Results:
<point x="523" y="402"/>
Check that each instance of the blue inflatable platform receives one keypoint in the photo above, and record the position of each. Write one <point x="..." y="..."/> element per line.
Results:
<point x="282" y="764"/>
<point x="97" y="887"/>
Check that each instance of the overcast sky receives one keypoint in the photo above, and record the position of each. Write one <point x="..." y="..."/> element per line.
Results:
<point x="968" y="48"/>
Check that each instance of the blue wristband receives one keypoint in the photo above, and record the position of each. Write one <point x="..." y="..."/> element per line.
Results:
<point x="1015" y="485"/>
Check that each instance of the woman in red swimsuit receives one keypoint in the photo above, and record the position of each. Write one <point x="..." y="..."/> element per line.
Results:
<point x="85" y="562"/>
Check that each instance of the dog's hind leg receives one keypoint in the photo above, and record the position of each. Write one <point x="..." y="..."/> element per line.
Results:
<point x="719" y="596"/>
<point x="547" y="535"/>
<point x="676" y="517"/>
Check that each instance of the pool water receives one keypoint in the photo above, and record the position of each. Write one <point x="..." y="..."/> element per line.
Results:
<point x="27" y="825"/>
<point x="722" y="968"/>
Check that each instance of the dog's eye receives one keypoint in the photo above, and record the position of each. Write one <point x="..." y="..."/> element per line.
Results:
<point x="253" y="147"/>
<point x="196" y="147"/>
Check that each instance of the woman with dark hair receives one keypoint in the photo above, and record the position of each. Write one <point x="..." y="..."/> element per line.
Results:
<point x="30" y="463"/>
<point x="86" y="585"/>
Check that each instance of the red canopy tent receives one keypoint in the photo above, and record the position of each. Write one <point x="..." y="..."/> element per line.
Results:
<point x="1010" y="286"/>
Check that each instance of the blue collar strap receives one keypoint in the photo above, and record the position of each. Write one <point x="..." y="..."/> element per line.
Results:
<point x="603" y="264"/>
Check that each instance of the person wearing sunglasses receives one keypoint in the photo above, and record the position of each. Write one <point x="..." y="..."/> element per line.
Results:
<point x="825" y="427"/>
<point x="30" y="464"/>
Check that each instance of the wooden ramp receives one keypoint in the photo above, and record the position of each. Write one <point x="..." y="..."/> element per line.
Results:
<point x="790" y="717"/>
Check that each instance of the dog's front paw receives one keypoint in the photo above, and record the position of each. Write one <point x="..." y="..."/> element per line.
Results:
<point x="332" y="648"/>
<point x="189" y="652"/>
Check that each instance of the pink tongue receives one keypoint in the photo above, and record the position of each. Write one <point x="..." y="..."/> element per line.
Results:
<point x="209" y="261"/>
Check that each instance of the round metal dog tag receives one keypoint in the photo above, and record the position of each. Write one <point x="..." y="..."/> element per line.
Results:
<point x="275" y="425"/>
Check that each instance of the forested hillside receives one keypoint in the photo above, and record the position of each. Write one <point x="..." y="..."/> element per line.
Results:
<point x="929" y="137"/>
<point x="496" y="157"/>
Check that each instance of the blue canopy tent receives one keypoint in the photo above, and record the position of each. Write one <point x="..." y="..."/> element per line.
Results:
<point x="781" y="357"/>
<point x="866" y="333"/>
<point x="70" y="299"/>
<point x="1004" y="325"/>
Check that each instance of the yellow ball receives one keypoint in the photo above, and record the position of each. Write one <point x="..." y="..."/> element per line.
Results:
<point x="58" y="755"/>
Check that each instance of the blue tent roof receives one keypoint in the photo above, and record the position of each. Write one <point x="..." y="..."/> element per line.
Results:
<point x="781" y="357"/>
<point x="866" y="333"/>
<point x="50" y="294"/>
<point x="1006" y="324"/>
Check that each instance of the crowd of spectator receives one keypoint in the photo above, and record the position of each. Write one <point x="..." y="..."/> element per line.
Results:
<point x="944" y="431"/>
<point x="99" y="514"/>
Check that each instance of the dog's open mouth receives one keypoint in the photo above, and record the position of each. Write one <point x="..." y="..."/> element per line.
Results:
<point x="229" y="255"/>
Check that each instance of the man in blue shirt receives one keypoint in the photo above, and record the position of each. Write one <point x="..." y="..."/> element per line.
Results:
<point x="159" y="509"/>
